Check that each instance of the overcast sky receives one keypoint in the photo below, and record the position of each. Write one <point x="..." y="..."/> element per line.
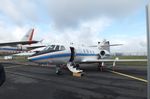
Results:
<point x="79" y="21"/>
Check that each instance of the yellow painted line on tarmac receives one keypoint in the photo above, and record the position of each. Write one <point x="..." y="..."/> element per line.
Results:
<point x="129" y="76"/>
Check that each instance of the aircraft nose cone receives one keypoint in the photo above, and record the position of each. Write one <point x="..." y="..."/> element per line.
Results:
<point x="30" y="59"/>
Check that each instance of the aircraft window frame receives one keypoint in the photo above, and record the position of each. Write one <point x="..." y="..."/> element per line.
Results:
<point x="48" y="47"/>
<point x="62" y="48"/>
<point x="54" y="48"/>
<point x="57" y="48"/>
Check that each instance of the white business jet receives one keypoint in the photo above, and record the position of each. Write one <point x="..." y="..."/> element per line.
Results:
<point x="72" y="56"/>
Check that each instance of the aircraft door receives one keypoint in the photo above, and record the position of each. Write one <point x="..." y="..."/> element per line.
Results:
<point x="72" y="54"/>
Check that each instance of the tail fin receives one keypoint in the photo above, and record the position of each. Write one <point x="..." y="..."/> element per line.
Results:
<point x="28" y="36"/>
<point x="105" y="45"/>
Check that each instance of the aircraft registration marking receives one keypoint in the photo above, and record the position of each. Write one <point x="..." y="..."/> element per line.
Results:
<point x="129" y="76"/>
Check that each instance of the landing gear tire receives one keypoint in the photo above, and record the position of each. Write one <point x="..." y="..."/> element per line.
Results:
<point x="58" y="72"/>
<point x="100" y="67"/>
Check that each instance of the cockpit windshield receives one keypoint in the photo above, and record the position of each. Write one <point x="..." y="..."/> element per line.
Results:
<point x="54" y="48"/>
<point x="50" y="47"/>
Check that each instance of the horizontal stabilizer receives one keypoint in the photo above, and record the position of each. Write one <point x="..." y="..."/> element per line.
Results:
<point x="106" y="45"/>
<point x="17" y="43"/>
<point x="111" y="45"/>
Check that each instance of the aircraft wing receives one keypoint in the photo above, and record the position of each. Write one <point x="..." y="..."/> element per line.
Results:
<point x="112" y="60"/>
<point x="17" y="43"/>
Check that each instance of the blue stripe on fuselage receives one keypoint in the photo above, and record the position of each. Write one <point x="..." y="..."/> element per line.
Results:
<point x="9" y="49"/>
<point x="59" y="56"/>
<point x="50" y="56"/>
<point x="83" y="54"/>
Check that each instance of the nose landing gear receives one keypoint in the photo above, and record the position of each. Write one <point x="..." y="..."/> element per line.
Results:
<point x="58" y="70"/>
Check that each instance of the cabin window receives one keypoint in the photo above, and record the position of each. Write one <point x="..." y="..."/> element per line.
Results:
<point x="90" y="52"/>
<point x="87" y="51"/>
<point x="84" y="51"/>
<point x="93" y="52"/>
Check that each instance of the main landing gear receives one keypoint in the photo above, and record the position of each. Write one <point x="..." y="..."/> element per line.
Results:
<point x="58" y="70"/>
<point x="101" y="66"/>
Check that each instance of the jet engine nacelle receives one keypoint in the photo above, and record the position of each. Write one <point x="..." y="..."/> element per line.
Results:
<point x="104" y="53"/>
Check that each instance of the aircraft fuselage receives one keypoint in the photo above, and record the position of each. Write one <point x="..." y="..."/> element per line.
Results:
<point x="69" y="54"/>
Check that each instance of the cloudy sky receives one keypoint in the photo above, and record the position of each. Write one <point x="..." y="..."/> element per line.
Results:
<point x="79" y="21"/>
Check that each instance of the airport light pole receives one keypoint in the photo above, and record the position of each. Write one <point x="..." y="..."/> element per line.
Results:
<point x="148" y="49"/>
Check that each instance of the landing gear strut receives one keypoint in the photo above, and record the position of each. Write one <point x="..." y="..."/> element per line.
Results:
<point x="114" y="64"/>
<point x="58" y="70"/>
<point x="100" y="66"/>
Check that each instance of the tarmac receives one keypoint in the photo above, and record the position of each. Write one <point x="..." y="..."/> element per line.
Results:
<point x="30" y="81"/>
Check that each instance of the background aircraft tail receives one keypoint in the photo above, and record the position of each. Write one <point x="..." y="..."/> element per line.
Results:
<point x="28" y="36"/>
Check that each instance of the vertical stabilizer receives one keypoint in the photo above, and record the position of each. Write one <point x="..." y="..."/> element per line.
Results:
<point x="28" y="36"/>
<point x="105" y="45"/>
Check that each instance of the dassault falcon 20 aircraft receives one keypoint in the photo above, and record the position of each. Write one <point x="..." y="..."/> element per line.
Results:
<point x="72" y="56"/>
<point x="9" y="48"/>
